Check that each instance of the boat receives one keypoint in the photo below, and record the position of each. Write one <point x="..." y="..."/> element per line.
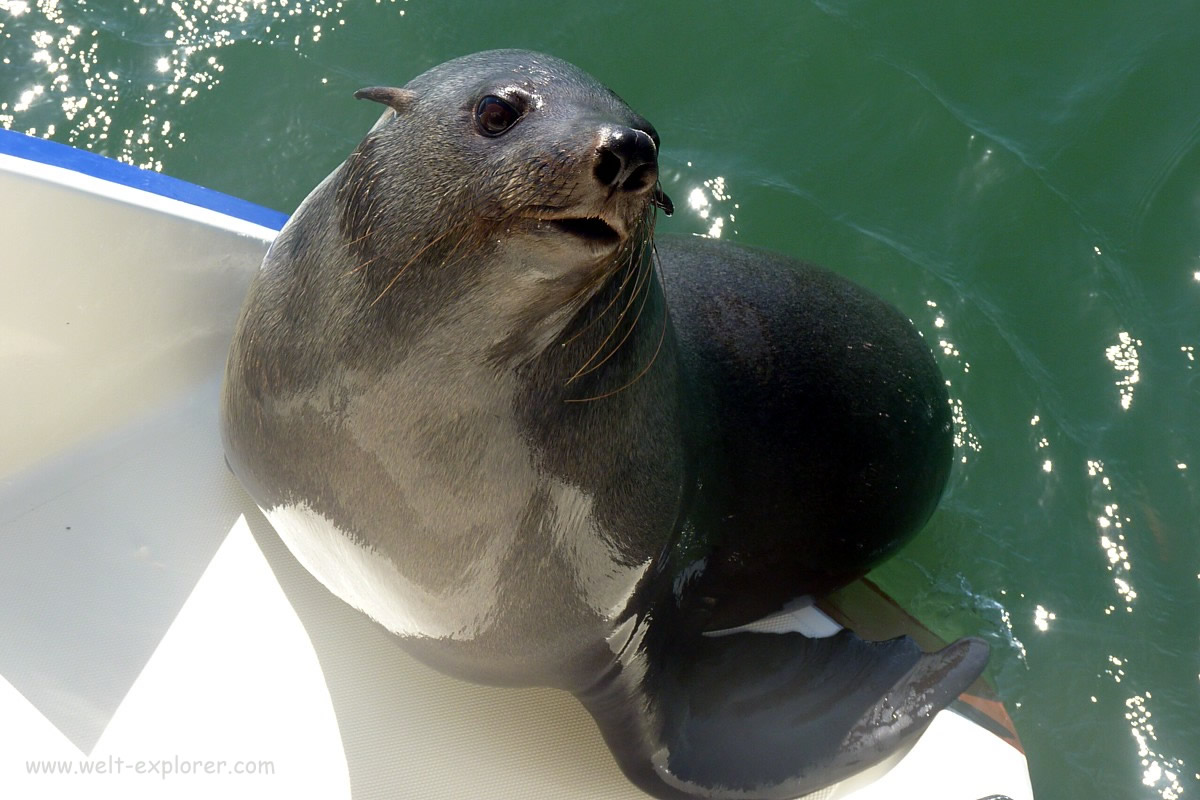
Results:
<point x="156" y="637"/>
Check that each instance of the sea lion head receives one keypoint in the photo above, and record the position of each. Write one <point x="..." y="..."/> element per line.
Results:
<point x="511" y="172"/>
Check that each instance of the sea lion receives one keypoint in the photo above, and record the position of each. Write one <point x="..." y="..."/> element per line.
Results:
<point x="482" y="403"/>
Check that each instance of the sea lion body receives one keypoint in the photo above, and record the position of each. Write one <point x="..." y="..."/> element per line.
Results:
<point x="478" y="405"/>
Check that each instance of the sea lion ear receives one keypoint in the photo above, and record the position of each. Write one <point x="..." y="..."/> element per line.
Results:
<point x="398" y="99"/>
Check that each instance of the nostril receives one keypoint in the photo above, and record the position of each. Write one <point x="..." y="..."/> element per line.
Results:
<point x="608" y="166"/>
<point x="640" y="178"/>
<point x="626" y="159"/>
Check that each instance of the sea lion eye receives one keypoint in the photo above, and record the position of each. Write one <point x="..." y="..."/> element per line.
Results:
<point x="495" y="116"/>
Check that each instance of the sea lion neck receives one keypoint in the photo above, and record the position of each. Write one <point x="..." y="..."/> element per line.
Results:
<point x="607" y="342"/>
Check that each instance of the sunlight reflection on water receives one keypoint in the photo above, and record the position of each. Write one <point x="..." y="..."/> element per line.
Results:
<point x="79" y="101"/>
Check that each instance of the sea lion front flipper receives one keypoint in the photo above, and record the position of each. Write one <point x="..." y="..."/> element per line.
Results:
<point x="755" y="715"/>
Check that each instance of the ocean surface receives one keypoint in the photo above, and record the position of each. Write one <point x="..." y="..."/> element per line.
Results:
<point x="1022" y="179"/>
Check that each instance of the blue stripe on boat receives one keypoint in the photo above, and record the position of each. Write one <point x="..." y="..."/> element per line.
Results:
<point x="60" y="155"/>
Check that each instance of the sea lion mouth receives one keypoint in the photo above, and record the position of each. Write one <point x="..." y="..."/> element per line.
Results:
<point x="593" y="230"/>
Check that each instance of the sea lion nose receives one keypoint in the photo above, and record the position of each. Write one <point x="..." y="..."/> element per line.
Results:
<point x="626" y="159"/>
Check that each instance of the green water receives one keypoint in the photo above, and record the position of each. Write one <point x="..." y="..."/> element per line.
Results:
<point x="1021" y="178"/>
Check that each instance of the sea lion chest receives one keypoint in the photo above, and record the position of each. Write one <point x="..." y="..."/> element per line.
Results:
<point x="457" y="504"/>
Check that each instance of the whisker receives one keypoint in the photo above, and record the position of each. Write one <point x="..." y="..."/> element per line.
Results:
<point x="662" y="336"/>
<point x="362" y="265"/>
<point x="638" y="285"/>
<point x="410" y="262"/>
<point x="642" y="269"/>
<point x="630" y="271"/>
